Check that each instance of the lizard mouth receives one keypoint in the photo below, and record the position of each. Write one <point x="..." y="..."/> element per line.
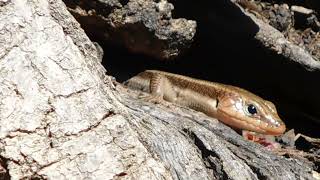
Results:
<point x="250" y="124"/>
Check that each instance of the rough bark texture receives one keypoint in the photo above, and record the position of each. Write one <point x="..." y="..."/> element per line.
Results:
<point x="275" y="40"/>
<point x="58" y="118"/>
<point x="142" y="26"/>
<point x="61" y="117"/>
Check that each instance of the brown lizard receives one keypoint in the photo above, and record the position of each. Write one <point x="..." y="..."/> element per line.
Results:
<point x="233" y="106"/>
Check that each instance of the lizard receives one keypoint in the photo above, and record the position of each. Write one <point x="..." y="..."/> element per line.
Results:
<point x="234" y="106"/>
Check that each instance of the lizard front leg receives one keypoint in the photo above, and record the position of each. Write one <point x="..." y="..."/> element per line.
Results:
<point x="160" y="89"/>
<point x="155" y="89"/>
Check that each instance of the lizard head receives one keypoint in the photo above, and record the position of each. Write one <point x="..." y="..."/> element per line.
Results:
<point x="244" y="110"/>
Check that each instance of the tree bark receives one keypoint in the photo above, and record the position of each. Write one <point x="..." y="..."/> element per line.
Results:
<point x="62" y="117"/>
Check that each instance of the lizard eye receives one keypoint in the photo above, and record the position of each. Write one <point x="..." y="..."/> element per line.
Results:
<point x="252" y="110"/>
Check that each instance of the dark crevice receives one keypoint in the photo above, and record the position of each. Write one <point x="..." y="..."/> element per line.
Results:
<point x="210" y="158"/>
<point x="123" y="2"/>
<point x="121" y="174"/>
<point x="4" y="172"/>
<point x="224" y="50"/>
<point x="37" y="177"/>
<point x="259" y="166"/>
<point x="248" y="65"/>
<point x="254" y="169"/>
<point x="102" y="8"/>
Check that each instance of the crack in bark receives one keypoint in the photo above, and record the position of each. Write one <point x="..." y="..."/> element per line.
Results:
<point x="17" y="92"/>
<point x="73" y="93"/>
<point x="254" y="169"/>
<point x="34" y="66"/>
<point x="95" y="125"/>
<point x="208" y="157"/>
<point x="19" y="130"/>
<point x="120" y="174"/>
<point x="47" y="125"/>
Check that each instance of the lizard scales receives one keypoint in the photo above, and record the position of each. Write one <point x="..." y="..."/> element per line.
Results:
<point x="233" y="106"/>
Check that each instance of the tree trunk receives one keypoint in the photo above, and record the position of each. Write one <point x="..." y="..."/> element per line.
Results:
<point x="62" y="117"/>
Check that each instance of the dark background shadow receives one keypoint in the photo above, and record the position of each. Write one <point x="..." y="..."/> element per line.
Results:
<point x="225" y="51"/>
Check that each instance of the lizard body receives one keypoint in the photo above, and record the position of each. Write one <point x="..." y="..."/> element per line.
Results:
<point x="233" y="106"/>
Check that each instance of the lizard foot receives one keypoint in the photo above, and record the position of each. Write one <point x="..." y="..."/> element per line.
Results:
<point x="156" y="99"/>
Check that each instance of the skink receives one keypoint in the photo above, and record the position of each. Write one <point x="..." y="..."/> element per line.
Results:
<point x="233" y="106"/>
